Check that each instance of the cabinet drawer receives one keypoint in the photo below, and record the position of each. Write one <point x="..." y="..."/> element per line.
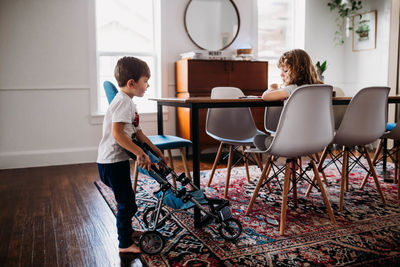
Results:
<point x="196" y="78"/>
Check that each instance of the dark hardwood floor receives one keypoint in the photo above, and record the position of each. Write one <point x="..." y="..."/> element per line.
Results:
<point x="55" y="216"/>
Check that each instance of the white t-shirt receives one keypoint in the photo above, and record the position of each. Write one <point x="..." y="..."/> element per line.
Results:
<point x="121" y="109"/>
<point x="290" y="89"/>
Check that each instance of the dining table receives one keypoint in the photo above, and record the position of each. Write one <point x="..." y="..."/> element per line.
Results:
<point x="197" y="103"/>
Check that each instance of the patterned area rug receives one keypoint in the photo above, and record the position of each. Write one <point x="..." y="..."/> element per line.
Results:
<point x="367" y="232"/>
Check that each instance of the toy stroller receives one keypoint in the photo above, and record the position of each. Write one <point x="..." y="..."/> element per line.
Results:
<point x="214" y="210"/>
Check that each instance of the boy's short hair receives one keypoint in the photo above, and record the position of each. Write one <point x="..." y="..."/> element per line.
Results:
<point x="130" y="68"/>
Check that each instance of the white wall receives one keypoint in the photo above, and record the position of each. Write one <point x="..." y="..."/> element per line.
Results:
<point x="319" y="32"/>
<point x="369" y="67"/>
<point x="44" y="91"/>
<point x="348" y="70"/>
<point x="46" y="60"/>
<point x="46" y="54"/>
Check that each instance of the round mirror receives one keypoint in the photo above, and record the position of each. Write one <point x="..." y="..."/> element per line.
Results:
<point x="212" y="24"/>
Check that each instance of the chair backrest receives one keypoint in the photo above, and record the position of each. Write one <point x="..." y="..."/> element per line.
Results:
<point x="271" y="118"/>
<point x="110" y="90"/>
<point x="365" y="117"/>
<point x="306" y="124"/>
<point x="229" y="123"/>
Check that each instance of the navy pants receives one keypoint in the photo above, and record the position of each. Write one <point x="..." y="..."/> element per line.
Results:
<point x="117" y="176"/>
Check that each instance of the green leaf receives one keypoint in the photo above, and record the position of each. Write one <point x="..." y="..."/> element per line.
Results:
<point x="323" y="66"/>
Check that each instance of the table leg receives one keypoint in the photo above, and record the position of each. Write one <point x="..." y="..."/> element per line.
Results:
<point x="160" y="126"/>
<point x="384" y="161"/>
<point x="194" y="126"/>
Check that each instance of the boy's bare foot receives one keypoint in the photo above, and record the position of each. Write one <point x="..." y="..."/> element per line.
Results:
<point x="137" y="234"/>
<point x="132" y="249"/>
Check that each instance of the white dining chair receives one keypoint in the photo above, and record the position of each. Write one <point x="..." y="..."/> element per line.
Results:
<point x="363" y="122"/>
<point x="232" y="127"/>
<point x="305" y="127"/>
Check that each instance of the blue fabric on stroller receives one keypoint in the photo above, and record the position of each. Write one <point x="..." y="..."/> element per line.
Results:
<point x="170" y="199"/>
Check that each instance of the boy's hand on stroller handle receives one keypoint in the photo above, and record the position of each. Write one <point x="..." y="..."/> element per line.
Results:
<point x="144" y="161"/>
<point x="163" y="159"/>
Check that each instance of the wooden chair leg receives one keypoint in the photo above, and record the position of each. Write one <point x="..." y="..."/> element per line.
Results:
<point x="322" y="158"/>
<point x="259" y="163"/>
<point x="371" y="166"/>
<point x="286" y="185"/>
<point x="258" y="160"/>
<point x="324" y="195"/>
<point x="396" y="144"/>
<point x="343" y="179"/>
<point x="310" y="187"/>
<point x="324" y="177"/>
<point x="171" y="165"/>
<point x="321" y="161"/>
<point x="346" y="181"/>
<point x="320" y="165"/>
<point x="398" y="180"/>
<point x="135" y="176"/>
<point x="170" y="159"/>
<point x="257" y="189"/>
<point x="316" y="157"/>
<point x="398" y="189"/>
<point x="228" y="171"/>
<point x="396" y="165"/>
<point x="377" y="152"/>
<point x="215" y="164"/>
<point x="293" y="178"/>
<point x="185" y="163"/>
<point x="323" y="173"/>
<point x="246" y="164"/>
<point x="270" y="159"/>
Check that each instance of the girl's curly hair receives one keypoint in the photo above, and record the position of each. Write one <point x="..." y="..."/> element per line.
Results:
<point x="301" y="68"/>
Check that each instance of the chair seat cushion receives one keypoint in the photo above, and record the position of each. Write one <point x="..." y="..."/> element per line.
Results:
<point x="263" y="142"/>
<point x="169" y="141"/>
<point x="390" y="126"/>
<point x="237" y="142"/>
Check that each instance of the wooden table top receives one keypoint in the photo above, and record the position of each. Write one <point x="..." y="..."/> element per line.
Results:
<point x="392" y="99"/>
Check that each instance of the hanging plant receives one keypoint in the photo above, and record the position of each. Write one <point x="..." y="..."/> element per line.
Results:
<point x="345" y="9"/>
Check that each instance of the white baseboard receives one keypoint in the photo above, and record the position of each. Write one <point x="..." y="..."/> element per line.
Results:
<point x="36" y="158"/>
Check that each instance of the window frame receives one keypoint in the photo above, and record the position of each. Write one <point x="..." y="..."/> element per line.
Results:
<point x="297" y="32"/>
<point x="95" y="54"/>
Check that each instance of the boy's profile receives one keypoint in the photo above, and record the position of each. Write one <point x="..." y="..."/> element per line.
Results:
<point x="121" y="123"/>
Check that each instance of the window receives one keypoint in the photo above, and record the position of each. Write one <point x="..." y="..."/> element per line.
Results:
<point x="127" y="28"/>
<point x="276" y="31"/>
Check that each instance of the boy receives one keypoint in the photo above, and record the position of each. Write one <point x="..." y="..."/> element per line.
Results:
<point x="121" y="122"/>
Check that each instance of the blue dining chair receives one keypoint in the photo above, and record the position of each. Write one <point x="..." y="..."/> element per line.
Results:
<point x="163" y="142"/>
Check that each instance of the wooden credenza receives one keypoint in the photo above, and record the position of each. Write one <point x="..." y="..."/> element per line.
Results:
<point x="197" y="77"/>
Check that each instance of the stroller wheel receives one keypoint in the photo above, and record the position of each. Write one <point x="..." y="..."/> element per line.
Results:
<point x="230" y="229"/>
<point x="149" y="217"/>
<point x="151" y="242"/>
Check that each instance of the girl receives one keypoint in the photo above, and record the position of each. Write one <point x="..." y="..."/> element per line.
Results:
<point x="297" y="69"/>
